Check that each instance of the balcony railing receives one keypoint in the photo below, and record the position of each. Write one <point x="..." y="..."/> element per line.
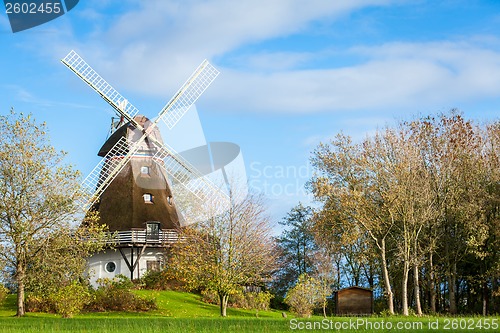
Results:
<point x="142" y="237"/>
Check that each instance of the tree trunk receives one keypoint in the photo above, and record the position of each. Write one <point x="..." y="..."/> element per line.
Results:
<point x="495" y="298"/>
<point x="20" y="276"/>
<point x="223" y="304"/>
<point x="371" y="278"/>
<point x="387" y="282"/>
<point x="452" y="282"/>
<point x="439" y="295"/>
<point x="432" y="284"/>
<point x="416" y="289"/>
<point x="404" y="288"/>
<point x="337" y="263"/>
<point x="324" y="309"/>
<point x="485" y="298"/>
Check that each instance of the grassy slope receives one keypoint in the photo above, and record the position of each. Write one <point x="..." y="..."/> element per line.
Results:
<point x="180" y="312"/>
<point x="185" y="305"/>
<point x="170" y="304"/>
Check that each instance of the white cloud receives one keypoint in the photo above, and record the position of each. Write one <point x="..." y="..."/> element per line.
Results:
<point x="154" y="48"/>
<point x="273" y="61"/>
<point x="396" y="75"/>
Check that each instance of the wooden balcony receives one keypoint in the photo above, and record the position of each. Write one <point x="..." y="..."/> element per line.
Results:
<point x="141" y="237"/>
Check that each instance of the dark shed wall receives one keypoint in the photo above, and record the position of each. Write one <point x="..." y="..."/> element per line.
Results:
<point x="354" y="300"/>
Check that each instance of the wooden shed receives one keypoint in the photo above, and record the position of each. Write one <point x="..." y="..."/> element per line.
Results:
<point x="354" y="301"/>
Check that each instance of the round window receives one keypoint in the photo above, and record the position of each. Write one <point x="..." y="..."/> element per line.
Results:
<point x="110" y="267"/>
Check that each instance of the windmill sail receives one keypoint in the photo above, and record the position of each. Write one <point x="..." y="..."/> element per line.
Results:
<point x="122" y="152"/>
<point x="187" y="95"/>
<point x="83" y="70"/>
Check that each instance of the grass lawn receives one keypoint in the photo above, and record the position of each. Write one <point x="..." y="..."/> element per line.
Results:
<point x="184" y="312"/>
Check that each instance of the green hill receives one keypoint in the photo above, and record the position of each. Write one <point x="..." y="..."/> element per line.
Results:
<point x="185" y="312"/>
<point x="170" y="304"/>
<point x="177" y="312"/>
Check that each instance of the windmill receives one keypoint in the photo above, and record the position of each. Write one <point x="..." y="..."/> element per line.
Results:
<point x="136" y="173"/>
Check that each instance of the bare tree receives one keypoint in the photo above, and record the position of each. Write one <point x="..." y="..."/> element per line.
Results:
<point x="226" y="251"/>
<point x="324" y="274"/>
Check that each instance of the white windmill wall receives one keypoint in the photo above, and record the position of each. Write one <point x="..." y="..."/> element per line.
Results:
<point x="97" y="263"/>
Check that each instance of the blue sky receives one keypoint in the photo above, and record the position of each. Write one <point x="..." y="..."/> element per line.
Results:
<point x="293" y="73"/>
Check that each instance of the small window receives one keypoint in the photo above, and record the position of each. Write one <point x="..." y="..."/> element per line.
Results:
<point x="170" y="200"/>
<point x="145" y="170"/>
<point x="148" y="197"/>
<point x="110" y="267"/>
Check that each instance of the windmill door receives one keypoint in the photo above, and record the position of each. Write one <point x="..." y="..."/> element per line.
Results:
<point x="153" y="231"/>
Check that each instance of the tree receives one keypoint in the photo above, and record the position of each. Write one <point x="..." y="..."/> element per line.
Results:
<point x="66" y="248"/>
<point x="37" y="193"/>
<point x="296" y="246"/>
<point x="324" y="274"/>
<point x="226" y="252"/>
<point x="427" y="193"/>
<point x="304" y="296"/>
<point x="352" y="182"/>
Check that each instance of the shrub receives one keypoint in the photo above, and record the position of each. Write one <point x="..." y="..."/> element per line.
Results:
<point x="116" y="295"/>
<point x="259" y="300"/>
<point x="209" y="296"/>
<point x="39" y="303"/>
<point x="240" y="299"/>
<point x="251" y="300"/>
<point x="278" y="303"/>
<point x="3" y="293"/>
<point x="70" y="300"/>
<point x="304" y="296"/>
<point x="66" y="301"/>
<point x="120" y="281"/>
<point x="160" y="280"/>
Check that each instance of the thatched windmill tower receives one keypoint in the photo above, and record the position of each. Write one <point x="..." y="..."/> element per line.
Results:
<point x="141" y="191"/>
<point x="131" y="187"/>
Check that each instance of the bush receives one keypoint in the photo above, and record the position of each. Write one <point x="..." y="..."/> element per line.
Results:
<point x="210" y="296"/>
<point x="159" y="280"/>
<point x="240" y="299"/>
<point x="118" y="282"/>
<point x="278" y="303"/>
<point x="39" y="303"/>
<point x="70" y="300"/>
<point x="259" y="300"/>
<point x="304" y="296"/>
<point x="116" y="295"/>
<point x="66" y="301"/>
<point x="3" y="293"/>
<point x="251" y="300"/>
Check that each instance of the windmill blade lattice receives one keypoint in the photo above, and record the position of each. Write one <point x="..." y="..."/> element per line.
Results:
<point x="192" y="180"/>
<point x="83" y="70"/>
<point x="105" y="172"/>
<point x="187" y="95"/>
<point x="121" y="153"/>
